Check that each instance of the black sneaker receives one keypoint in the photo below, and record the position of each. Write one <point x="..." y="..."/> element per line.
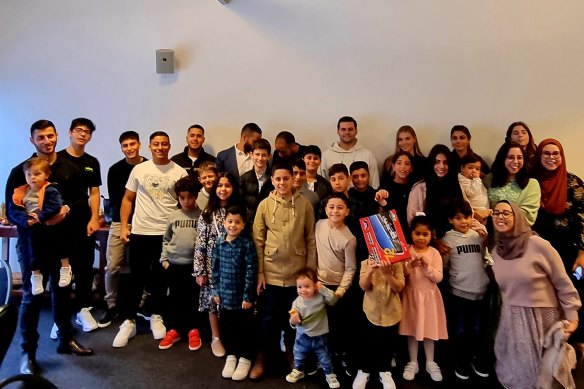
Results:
<point x="462" y="371"/>
<point x="106" y="320"/>
<point x="479" y="367"/>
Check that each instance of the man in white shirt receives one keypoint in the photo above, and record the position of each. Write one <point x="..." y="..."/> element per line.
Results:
<point x="150" y="192"/>
<point x="348" y="150"/>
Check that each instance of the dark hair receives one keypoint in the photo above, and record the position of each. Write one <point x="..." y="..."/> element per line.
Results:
<point x="283" y="165"/>
<point x="469" y="158"/>
<point x="299" y="163"/>
<point x="215" y="203"/>
<point x="158" y="133"/>
<point x="312" y="149"/>
<point x="287" y="136"/>
<point x="500" y="172"/>
<point x="41" y="125"/>
<point x="460" y="206"/>
<point x="337" y="195"/>
<point x="129" y="135"/>
<point x="237" y="210"/>
<point x="346" y="119"/>
<point x="41" y="163"/>
<point x="82" y="122"/>
<point x="358" y="165"/>
<point x="421" y="220"/>
<point x="261" y="144"/>
<point x="531" y="146"/>
<point x="392" y="159"/>
<point x="187" y="184"/>
<point x="251" y="127"/>
<point x="307" y="272"/>
<point x="434" y="152"/>
<point x="461" y="128"/>
<point x="338" y="168"/>
<point x="399" y="154"/>
<point x="196" y="126"/>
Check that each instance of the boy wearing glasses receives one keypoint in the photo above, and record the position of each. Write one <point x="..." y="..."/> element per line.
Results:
<point x="86" y="222"/>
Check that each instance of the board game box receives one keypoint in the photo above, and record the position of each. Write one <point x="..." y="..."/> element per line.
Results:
<point x="384" y="237"/>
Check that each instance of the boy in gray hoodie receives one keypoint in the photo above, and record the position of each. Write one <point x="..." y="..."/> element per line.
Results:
<point x="468" y="282"/>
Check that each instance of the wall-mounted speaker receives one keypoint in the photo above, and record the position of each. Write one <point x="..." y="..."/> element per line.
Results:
<point x="164" y="61"/>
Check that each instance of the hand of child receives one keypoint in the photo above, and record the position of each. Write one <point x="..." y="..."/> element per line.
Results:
<point x="201" y="280"/>
<point x="442" y="248"/>
<point x="380" y="196"/>
<point x="33" y="219"/>
<point x="387" y="268"/>
<point x="165" y="264"/>
<point x="482" y="234"/>
<point x="318" y="285"/>
<point x="423" y="262"/>
<point x="570" y="328"/>
<point x="261" y="283"/>
<point x="245" y="305"/>
<point x="217" y="300"/>
<point x="294" y="317"/>
<point x="372" y="264"/>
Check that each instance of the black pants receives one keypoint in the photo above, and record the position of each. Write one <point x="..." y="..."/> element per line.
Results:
<point x="184" y="298"/>
<point x="145" y="268"/>
<point x="31" y="305"/>
<point x="237" y="332"/>
<point x="82" y="256"/>
<point x="377" y="347"/>
<point x="275" y="302"/>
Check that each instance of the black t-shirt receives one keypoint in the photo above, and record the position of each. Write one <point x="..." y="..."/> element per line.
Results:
<point x="117" y="177"/>
<point x="89" y="166"/>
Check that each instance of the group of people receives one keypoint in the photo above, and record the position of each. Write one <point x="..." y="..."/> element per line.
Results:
<point x="270" y="244"/>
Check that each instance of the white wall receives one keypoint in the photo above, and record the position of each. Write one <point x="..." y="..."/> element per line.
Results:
<point x="296" y="65"/>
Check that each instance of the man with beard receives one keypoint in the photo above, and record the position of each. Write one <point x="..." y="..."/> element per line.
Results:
<point x="194" y="154"/>
<point x="237" y="159"/>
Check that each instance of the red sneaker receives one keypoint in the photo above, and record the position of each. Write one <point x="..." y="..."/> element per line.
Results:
<point x="194" y="340"/>
<point x="171" y="338"/>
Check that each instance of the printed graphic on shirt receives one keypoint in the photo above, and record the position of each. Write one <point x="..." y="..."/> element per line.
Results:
<point x="468" y="248"/>
<point x="157" y="186"/>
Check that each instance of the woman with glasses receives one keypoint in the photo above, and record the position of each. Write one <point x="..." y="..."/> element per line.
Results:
<point x="509" y="181"/>
<point x="561" y="216"/>
<point x="536" y="293"/>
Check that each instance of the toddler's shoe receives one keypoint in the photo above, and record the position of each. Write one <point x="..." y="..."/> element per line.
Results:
<point x="194" y="340"/>
<point x="332" y="381"/>
<point x="411" y="370"/>
<point x="127" y="331"/>
<point x="36" y="281"/>
<point x="169" y="340"/>
<point x="294" y="376"/>
<point x="229" y="368"/>
<point x="242" y="370"/>
<point x="157" y="327"/>
<point x="65" y="276"/>
<point x="434" y="370"/>
<point x="361" y="380"/>
<point x="386" y="380"/>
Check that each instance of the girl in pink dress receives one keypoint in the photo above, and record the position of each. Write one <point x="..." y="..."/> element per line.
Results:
<point x="423" y="316"/>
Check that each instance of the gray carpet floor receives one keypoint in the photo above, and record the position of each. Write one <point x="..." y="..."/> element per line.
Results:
<point x="142" y="365"/>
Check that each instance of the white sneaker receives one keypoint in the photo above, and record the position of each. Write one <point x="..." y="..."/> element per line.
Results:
<point x="157" y="327"/>
<point x="54" y="332"/>
<point x="386" y="380"/>
<point x="127" y="331"/>
<point x="217" y="347"/>
<point x="229" y="368"/>
<point x="434" y="370"/>
<point x="242" y="370"/>
<point x="85" y="320"/>
<point x="65" y="274"/>
<point x="411" y="370"/>
<point x="294" y="376"/>
<point x="36" y="281"/>
<point x="361" y="380"/>
<point x="332" y="381"/>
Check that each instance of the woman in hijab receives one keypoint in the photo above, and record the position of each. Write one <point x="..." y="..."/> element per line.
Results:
<point x="561" y="216"/>
<point x="536" y="294"/>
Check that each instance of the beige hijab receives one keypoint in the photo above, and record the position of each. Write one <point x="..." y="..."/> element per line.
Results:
<point x="512" y="245"/>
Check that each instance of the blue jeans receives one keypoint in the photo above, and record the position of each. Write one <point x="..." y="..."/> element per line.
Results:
<point x="305" y="344"/>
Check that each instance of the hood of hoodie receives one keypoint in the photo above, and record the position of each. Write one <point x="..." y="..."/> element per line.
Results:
<point x="338" y="149"/>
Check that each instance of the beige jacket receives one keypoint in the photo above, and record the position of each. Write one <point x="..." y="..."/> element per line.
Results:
<point x="283" y="232"/>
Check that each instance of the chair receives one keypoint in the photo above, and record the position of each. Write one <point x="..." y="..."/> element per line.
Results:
<point x="5" y="282"/>
<point x="8" y="320"/>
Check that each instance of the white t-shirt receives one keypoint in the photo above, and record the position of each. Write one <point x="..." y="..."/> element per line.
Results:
<point x="155" y="197"/>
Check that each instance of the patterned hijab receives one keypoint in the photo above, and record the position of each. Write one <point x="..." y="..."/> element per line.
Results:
<point x="512" y="245"/>
<point x="554" y="184"/>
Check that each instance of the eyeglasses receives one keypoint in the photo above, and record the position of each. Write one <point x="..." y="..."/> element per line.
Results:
<point x="79" y="130"/>
<point x="547" y="154"/>
<point x="504" y="214"/>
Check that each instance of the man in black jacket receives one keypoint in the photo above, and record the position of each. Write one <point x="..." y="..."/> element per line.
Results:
<point x="194" y="154"/>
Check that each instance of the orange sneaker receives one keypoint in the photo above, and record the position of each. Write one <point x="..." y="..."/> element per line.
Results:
<point x="194" y="340"/>
<point x="171" y="338"/>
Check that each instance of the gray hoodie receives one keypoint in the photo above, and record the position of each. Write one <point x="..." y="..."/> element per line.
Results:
<point x="336" y="154"/>
<point x="178" y="244"/>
